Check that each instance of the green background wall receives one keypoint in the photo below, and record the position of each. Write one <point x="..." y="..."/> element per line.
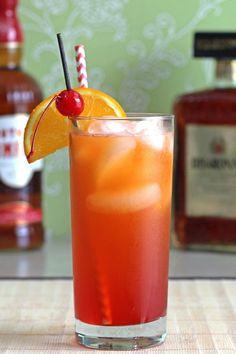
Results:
<point x="138" y="51"/>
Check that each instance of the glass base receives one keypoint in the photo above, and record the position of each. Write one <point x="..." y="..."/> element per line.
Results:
<point x="121" y="337"/>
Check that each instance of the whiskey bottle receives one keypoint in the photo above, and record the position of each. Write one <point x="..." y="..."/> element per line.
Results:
<point x="205" y="203"/>
<point x="20" y="184"/>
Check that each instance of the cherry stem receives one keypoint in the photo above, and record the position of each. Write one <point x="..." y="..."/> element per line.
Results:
<point x="64" y="62"/>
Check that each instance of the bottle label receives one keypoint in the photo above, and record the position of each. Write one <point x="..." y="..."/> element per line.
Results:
<point x="19" y="213"/>
<point x="210" y="160"/>
<point x="15" y="171"/>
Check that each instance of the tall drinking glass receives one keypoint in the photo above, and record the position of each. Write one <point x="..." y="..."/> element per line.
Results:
<point x="121" y="181"/>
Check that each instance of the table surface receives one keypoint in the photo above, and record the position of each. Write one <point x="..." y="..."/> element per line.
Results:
<point x="36" y="316"/>
<point x="54" y="260"/>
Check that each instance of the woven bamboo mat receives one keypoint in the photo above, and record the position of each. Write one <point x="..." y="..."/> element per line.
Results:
<point x="37" y="317"/>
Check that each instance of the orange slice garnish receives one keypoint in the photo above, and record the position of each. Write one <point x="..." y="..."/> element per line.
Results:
<point x="47" y="132"/>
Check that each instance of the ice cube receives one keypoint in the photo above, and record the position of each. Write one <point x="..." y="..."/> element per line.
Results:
<point x="159" y="140"/>
<point x="114" y="157"/>
<point x="143" y="127"/>
<point x="104" y="127"/>
<point x="127" y="201"/>
<point x="148" y="132"/>
<point x="156" y="140"/>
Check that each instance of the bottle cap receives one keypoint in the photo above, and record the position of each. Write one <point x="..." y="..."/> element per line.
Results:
<point x="215" y="45"/>
<point x="10" y="28"/>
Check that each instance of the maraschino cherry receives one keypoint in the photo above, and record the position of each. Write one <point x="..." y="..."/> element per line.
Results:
<point x="69" y="103"/>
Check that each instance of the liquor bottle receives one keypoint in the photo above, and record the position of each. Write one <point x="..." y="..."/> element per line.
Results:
<point x="205" y="205"/>
<point x="20" y="183"/>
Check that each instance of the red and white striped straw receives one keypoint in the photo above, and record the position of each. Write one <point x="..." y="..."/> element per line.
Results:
<point x="81" y="65"/>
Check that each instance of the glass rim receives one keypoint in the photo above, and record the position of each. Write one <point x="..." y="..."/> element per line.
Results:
<point x="129" y="117"/>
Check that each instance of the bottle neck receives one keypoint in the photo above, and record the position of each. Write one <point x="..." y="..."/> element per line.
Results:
<point x="225" y="73"/>
<point x="10" y="55"/>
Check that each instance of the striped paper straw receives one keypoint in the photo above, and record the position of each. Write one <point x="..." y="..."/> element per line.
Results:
<point x="100" y="276"/>
<point x="81" y="65"/>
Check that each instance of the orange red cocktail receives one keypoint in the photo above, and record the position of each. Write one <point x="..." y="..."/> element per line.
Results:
<point x="121" y="175"/>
